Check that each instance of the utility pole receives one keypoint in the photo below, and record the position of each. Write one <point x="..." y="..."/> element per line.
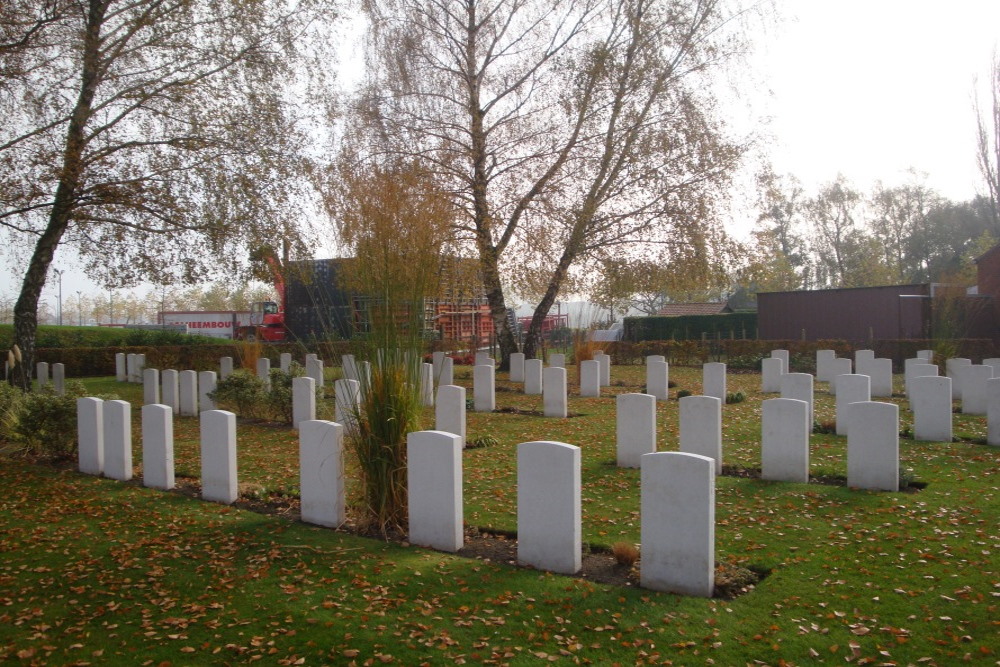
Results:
<point x="79" y="309"/>
<point x="59" y="275"/>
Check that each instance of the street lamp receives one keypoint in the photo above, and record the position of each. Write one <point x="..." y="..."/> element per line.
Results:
<point x="59" y="275"/>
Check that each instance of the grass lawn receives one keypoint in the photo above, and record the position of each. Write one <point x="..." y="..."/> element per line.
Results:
<point x="94" y="571"/>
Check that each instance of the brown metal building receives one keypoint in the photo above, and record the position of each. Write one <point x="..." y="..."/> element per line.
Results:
<point x="851" y="314"/>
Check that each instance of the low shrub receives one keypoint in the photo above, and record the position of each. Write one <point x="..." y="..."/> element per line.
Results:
<point x="681" y="393"/>
<point x="243" y="393"/>
<point x="43" y="423"/>
<point x="249" y="396"/>
<point x="735" y="397"/>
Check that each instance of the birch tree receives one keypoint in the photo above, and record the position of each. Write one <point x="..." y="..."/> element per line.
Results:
<point x="150" y="134"/>
<point x="562" y="129"/>
<point x="988" y="143"/>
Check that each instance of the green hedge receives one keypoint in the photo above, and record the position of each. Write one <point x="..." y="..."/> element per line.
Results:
<point x="691" y="327"/>
<point x="748" y="353"/>
<point x="53" y="336"/>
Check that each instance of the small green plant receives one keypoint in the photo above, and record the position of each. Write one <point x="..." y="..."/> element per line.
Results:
<point x="484" y="440"/>
<point x="242" y="392"/>
<point x="681" y="393"/>
<point x="906" y="477"/>
<point x="735" y="397"/>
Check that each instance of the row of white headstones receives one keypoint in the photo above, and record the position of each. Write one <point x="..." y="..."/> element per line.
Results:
<point x="677" y="487"/>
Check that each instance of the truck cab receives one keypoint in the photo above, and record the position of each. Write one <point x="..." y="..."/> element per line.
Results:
<point x="267" y="324"/>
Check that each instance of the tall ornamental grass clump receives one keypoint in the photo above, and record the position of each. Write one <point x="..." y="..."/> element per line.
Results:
<point x="389" y="409"/>
<point x="396" y="220"/>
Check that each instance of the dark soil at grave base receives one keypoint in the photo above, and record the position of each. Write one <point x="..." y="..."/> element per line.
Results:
<point x="598" y="565"/>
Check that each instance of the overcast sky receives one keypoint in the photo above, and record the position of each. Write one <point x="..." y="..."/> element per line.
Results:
<point x="868" y="88"/>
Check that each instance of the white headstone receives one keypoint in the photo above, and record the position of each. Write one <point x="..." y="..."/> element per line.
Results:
<point x="650" y="358"/>
<point x="346" y="402"/>
<point x="951" y="370"/>
<point x="350" y="367"/>
<point x="90" y="434"/>
<point x="484" y="359"/>
<point x="635" y="428"/>
<point x="880" y="371"/>
<point x="157" y="446"/>
<point x="993" y="412"/>
<point x="701" y="428"/>
<point x="554" y="399"/>
<point x="118" y="440"/>
<point x="517" y="367"/>
<point x="838" y="367"/>
<point x="436" y="359"/>
<point x="314" y="370"/>
<point x="170" y="390"/>
<point x="784" y="443"/>
<point x="771" y="370"/>
<point x="321" y="484"/>
<point x="658" y="379"/>
<point x="713" y="377"/>
<point x="549" y="532"/>
<point x="930" y="400"/>
<point x="783" y="355"/>
<point x="264" y="371"/>
<point x="862" y="357"/>
<point x="225" y="367"/>
<point x="130" y="367"/>
<point x="140" y="366"/>
<point x="434" y="489"/>
<point x="557" y="360"/>
<point x="533" y="377"/>
<point x="303" y="401"/>
<point x="447" y="375"/>
<point x="590" y="378"/>
<point x="992" y="362"/>
<point x="121" y="370"/>
<point x="449" y="410"/>
<point x="605" y="361"/>
<point x="218" y="456"/>
<point x="851" y="388"/>
<point x="311" y="356"/>
<point x="973" y="379"/>
<point x="799" y="386"/>
<point x="917" y="370"/>
<point x="207" y="382"/>
<point x="484" y="397"/>
<point x="927" y="355"/>
<point x="823" y="359"/>
<point x="42" y="373"/>
<point x="188" y="381"/>
<point x="427" y="385"/>
<point x="365" y="371"/>
<point x="150" y="386"/>
<point x="285" y="361"/>
<point x="873" y="446"/>
<point x="59" y="379"/>
<point x="678" y="523"/>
